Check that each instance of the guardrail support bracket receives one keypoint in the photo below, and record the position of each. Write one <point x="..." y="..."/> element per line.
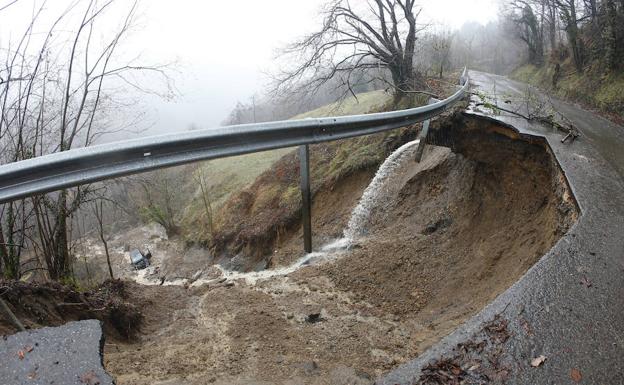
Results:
<point x="306" y="199"/>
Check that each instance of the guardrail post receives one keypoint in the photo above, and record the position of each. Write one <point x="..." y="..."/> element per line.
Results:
<point x="306" y="214"/>
<point x="422" y="137"/>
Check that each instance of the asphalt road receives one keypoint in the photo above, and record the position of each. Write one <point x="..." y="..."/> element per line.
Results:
<point x="66" y="355"/>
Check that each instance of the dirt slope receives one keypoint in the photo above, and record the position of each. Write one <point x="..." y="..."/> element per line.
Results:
<point x="452" y="233"/>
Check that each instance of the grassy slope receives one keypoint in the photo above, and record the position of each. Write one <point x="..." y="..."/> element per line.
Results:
<point x="365" y="102"/>
<point x="592" y="88"/>
<point x="232" y="175"/>
<point x="224" y="176"/>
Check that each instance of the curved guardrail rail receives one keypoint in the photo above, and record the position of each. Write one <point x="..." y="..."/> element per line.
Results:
<point x="91" y="164"/>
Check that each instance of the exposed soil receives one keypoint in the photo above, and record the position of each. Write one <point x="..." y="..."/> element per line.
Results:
<point x="448" y="236"/>
<point x="52" y="304"/>
<point x="264" y="217"/>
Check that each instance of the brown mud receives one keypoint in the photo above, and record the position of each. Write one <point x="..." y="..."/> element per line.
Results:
<point x="450" y="235"/>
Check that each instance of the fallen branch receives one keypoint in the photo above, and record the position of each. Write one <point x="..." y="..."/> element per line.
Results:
<point x="571" y="131"/>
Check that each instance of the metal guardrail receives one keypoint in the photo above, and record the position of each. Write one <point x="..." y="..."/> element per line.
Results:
<point x="91" y="164"/>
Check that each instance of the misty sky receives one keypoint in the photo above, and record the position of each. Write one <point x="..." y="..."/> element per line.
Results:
<point x="223" y="49"/>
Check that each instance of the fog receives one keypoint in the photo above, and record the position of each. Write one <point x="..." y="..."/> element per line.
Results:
<point x="220" y="52"/>
<point x="224" y="49"/>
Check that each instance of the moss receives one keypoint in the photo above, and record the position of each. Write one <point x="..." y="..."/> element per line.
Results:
<point x="610" y="96"/>
<point x="292" y="194"/>
<point x="592" y="88"/>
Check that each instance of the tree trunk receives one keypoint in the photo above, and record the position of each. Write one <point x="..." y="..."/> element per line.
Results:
<point x="8" y="249"/>
<point x="575" y="48"/>
<point x="573" y="38"/>
<point x="593" y="9"/>
<point x="405" y="80"/>
<point x="609" y="37"/>
<point x="108" y="262"/>
<point x="62" y="257"/>
<point x="3" y="250"/>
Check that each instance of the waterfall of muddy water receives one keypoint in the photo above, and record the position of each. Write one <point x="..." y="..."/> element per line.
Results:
<point x="356" y="228"/>
<point x="376" y="191"/>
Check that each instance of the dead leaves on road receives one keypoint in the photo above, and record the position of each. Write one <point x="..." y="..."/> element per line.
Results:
<point x="22" y="353"/>
<point x="575" y="374"/>
<point x="537" y="361"/>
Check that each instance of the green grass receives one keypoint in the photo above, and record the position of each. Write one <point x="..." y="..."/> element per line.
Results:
<point x="365" y="103"/>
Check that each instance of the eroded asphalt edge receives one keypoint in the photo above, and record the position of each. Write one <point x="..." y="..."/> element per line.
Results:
<point x="64" y="355"/>
<point x="573" y="297"/>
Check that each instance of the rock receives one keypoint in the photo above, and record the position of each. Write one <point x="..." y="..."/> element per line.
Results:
<point x="313" y="318"/>
<point x="196" y="276"/>
<point x="438" y="225"/>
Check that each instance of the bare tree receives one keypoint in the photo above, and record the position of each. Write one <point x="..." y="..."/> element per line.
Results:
<point x="200" y="180"/>
<point x="569" y="15"/>
<point x="53" y="98"/>
<point x="159" y="197"/>
<point x="98" y="212"/>
<point x="528" y="27"/>
<point x="441" y="50"/>
<point x="609" y="34"/>
<point x="374" y="35"/>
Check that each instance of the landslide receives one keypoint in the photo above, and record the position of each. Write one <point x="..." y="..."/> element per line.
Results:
<point x="258" y="227"/>
<point x="266" y="216"/>
<point x="455" y="234"/>
<point x="447" y="236"/>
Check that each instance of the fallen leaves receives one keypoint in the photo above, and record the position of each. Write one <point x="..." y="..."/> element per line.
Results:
<point x="537" y="361"/>
<point x="445" y="371"/>
<point x="22" y="353"/>
<point x="575" y="374"/>
<point x="497" y="329"/>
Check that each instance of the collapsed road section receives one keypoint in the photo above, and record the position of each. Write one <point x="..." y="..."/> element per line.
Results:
<point x="446" y="237"/>
<point x="563" y="321"/>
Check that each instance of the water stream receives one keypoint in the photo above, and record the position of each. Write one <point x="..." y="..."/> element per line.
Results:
<point x="356" y="228"/>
